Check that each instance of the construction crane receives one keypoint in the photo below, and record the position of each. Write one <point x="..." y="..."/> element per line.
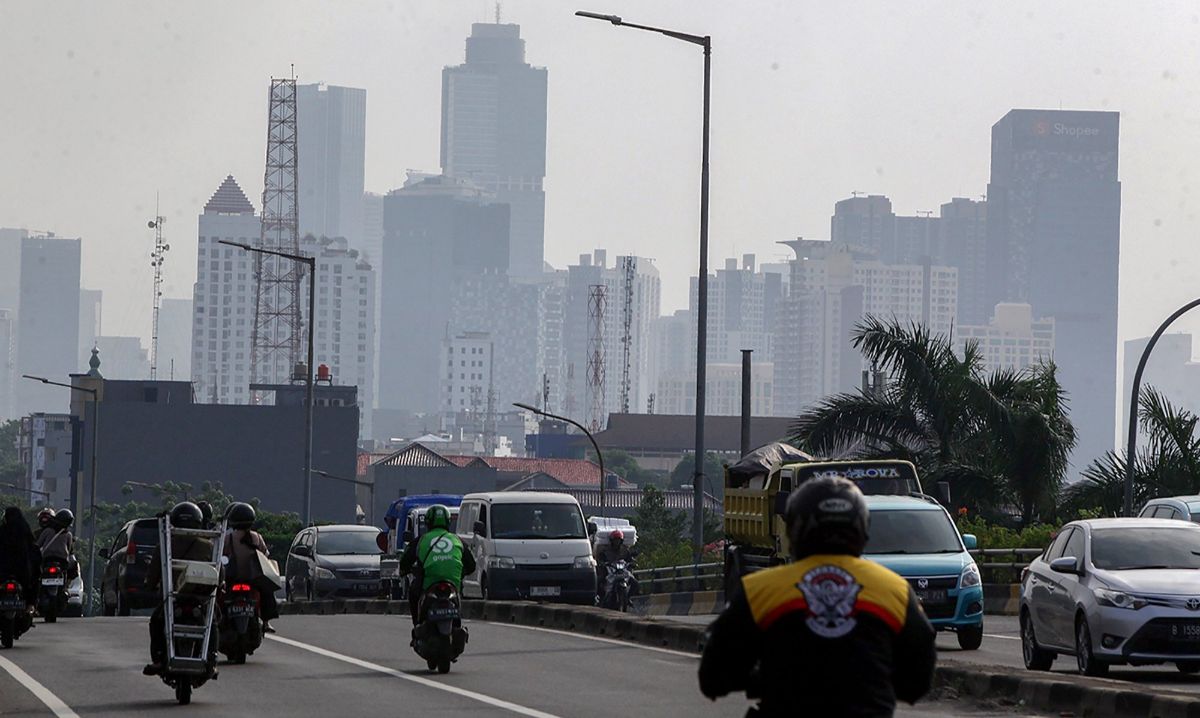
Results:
<point x="156" y="260"/>
<point x="629" y="276"/>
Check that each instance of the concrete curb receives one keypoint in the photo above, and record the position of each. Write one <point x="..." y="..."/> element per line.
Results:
<point x="1001" y="599"/>
<point x="696" y="603"/>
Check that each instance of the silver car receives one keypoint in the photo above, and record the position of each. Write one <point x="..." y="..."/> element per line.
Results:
<point x="1114" y="591"/>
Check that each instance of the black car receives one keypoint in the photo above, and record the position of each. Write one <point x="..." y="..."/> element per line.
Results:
<point x="122" y="587"/>
<point x="327" y="561"/>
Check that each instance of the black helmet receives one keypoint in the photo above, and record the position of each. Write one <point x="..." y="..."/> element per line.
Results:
<point x="827" y="514"/>
<point x="206" y="511"/>
<point x="186" y="515"/>
<point x="240" y="515"/>
<point x="64" y="518"/>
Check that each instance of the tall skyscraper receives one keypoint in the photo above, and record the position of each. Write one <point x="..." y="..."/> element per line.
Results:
<point x="494" y="133"/>
<point x="331" y="126"/>
<point x="47" y="321"/>
<point x="175" y="339"/>
<point x="1012" y="340"/>
<point x="963" y="234"/>
<point x="743" y="305"/>
<point x="8" y="363"/>
<point x="1054" y="211"/>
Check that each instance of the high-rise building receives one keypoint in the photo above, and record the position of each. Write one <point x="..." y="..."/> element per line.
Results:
<point x="223" y="299"/>
<point x="675" y="343"/>
<point x="10" y="266"/>
<point x="494" y="133"/>
<point x="963" y="231"/>
<point x="722" y="391"/>
<point x="1171" y="371"/>
<point x="832" y="288"/>
<point x="743" y="305"/>
<point x="175" y="339"/>
<point x="89" y="322"/>
<point x="466" y="380"/>
<point x="1054" y="210"/>
<point x="331" y="126"/>
<point x="45" y="447"/>
<point x="1013" y="339"/>
<point x="8" y="363"/>
<point x="437" y="230"/>
<point x="47" y="320"/>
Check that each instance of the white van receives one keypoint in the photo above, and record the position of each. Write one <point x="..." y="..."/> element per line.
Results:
<point x="527" y="545"/>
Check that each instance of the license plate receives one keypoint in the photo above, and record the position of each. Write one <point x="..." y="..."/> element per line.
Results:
<point x="1185" y="632"/>
<point x="545" y="590"/>
<point x="367" y="587"/>
<point x="12" y="604"/>
<point x="239" y="610"/>
<point x="52" y="582"/>
<point x="931" y="596"/>
<point x="441" y="614"/>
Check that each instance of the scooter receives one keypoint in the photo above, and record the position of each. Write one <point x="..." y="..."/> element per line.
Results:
<point x="241" y="622"/>
<point x="52" y="597"/>
<point x="618" y="586"/>
<point x="14" y="618"/>
<point x="440" y="637"/>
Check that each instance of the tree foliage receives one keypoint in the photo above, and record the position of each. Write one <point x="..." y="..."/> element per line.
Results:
<point x="12" y="471"/>
<point x="622" y="464"/>
<point x="684" y="473"/>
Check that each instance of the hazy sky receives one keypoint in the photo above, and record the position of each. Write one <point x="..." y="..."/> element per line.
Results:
<point x="105" y="104"/>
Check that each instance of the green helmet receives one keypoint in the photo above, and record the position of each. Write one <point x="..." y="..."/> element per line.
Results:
<point x="437" y="517"/>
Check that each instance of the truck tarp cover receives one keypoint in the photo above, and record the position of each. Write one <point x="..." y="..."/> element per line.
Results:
<point x="760" y="462"/>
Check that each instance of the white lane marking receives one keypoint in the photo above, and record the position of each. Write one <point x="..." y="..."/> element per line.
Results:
<point x="614" y="641"/>
<point x="482" y="698"/>
<point x="53" y="702"/>
<point x="1007" y="638"/>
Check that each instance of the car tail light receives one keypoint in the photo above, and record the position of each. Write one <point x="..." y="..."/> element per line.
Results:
<point x="130" y="552"/>
<point x="10" y="587"/>
<point x="241" y="587"/>
<point x="1024" y="574"/>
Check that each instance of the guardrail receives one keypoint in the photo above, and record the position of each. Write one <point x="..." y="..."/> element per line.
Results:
<point x="674" y="579"/>
<point x="995" y="571"/>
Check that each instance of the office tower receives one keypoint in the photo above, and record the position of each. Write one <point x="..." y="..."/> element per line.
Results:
<point x="466" y="379"/>
<point x="743" y="305"/>
<point x="1171" y="371"/>
<point x="722" y="391"/>
<point x="494" y="133"/>
<point x="46" y="450"/>
<point x="8" y="363"/>
<point x="437" y="230"/>
<point x="866" y="223"/>
<point x="331" y="126"/>
<point x="963" y="232"/>
<point x="832" y="288"/>
<point x="675" y="342"/>
<point x="47" y="321"/>
<point x="89" y="322"/>
<point x="1054" y="210"/>
<point x="10" y="267"/>
<point x="175" y="339"/>
<point x="223" y="298"/>
<point x="1012" y="340"/>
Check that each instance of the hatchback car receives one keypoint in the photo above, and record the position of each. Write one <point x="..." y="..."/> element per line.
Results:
<point x="326" y="561"/>
<point x="1186" y="508"/>
<point x="1114" y="591"/>
<point x="126" y="559"/>
<point x="916" y="538"/>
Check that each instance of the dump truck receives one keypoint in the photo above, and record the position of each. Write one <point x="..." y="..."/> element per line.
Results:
<point x="757" y="489"/>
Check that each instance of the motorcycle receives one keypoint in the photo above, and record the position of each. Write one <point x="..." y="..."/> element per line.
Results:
<point x="241" y="622"/>
<point x="440" y="637"/>
<point x="52" y="598"/>
<point x="618" y="586"/>
<point x="14" y="618"/>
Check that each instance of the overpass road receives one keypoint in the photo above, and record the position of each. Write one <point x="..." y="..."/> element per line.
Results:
<point x="361" y="665"/>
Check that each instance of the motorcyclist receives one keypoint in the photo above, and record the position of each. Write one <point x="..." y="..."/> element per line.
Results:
<point x="828" y="634"/>
<point x="241" y="546"/>
<point x="439" y="555"/>
<point x="44" y="518"/>
<point x="608" y="554"/>
<point x="206" y="512"/>
<point x="57" y="542"/>
<point x="19" y="556"/>
<point x="184" y="515"/>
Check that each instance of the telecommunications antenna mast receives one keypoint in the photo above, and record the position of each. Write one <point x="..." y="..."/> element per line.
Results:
<point x="156" y="260"/>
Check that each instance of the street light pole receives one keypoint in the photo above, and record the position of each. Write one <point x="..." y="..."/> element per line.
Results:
<point x="308" y="392"/>
<point x="370" y="488"/>
<point x="581" y="427"/>
<point x="1131" y="447"/>
<point x="705" y="42"/>
<point x="29" y="490"/>
<point x="95" y="441"/>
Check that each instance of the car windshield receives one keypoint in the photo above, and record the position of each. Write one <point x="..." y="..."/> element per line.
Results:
<point x="1131" y="549"/>
<point x="341" y="543"/>
<point x="537" y="521"/>
<point x="907" y="531"/>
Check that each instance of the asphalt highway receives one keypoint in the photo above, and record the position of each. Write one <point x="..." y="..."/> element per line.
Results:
<point x="362" y="665"/>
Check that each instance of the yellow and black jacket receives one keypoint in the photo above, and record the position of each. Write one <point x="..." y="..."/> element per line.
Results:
<point x="828" y="635"/>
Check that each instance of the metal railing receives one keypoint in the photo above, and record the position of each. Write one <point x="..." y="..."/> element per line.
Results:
<point x="997" y="571"/>
<point x="676" y="579"/>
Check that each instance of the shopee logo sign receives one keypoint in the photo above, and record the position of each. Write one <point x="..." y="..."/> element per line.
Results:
<point x="1042" y="128"/>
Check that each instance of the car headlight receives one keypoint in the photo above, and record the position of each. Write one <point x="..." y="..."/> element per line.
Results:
<point x="501" y="562"/>
<point x="969" y="576"/>
<point x="324" y="573"/>
<point x="1117" y="599"/>
<point x="585" y="562"/>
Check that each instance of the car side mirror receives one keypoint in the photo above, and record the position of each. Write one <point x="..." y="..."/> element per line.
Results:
<point x="480" y="528"/>
<point x="381" y="540"/>
<point x="103" y="553"/>
<point x="1065" y="564"/>
<point x="302" y="551"/>
<point x="970" y="542"/>
<point x="593" y="529"/>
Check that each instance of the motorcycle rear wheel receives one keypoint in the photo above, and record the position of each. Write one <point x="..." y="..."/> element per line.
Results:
<point x="6" y="636"/>
<point x="183" y="692"/>
<point x="52" y="610"/>
<point x="443" y="666"/>
<point x="431" y="664"/>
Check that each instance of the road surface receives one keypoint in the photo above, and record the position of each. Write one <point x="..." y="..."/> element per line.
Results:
<point x="362" y="665"/>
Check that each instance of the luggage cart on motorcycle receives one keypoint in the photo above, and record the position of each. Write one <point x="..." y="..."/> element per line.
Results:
<point x="189" y="594"/>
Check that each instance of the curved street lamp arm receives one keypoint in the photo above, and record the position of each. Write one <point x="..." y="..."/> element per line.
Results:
<point x="588" y="434"/>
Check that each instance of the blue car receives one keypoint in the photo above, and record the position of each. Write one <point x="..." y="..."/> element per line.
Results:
<point x="916" y="538"/>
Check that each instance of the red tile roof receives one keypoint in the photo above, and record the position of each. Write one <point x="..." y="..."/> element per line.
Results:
<point x="365" y="459"/>
<point x="571" y="472"/>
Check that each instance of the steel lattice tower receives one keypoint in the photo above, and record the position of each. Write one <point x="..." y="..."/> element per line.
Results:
<point x="629" y="267"/>
<point x="276" y="338"/>
<point x="156" y="260"/>
<point x="597" y="299"/>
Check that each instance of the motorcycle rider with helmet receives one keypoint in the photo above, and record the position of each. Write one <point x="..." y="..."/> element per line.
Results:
<point x="438" y="556"/>
<point x="44" y="518"/>
<point x="241" y="546"/>
<point x="608" y="554"/>
<point x="57" y="543"/>
<point x="184" y="515"/>
<point x="829" y="633"/>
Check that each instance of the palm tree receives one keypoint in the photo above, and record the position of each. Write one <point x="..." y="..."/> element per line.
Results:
<point x="1167" y="465"/>
<point x="1001" y="440"/>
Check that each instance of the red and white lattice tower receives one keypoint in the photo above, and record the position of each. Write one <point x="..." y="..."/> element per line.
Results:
<point x="597" y="300"/>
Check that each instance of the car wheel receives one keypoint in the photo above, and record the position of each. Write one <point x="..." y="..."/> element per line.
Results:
<point x="310" y="593"/>
<point x="106" y="609"/>
<point x="1188" y="666"/>
<point x="484" y="591"/>
<point x="970" y="638"/>
<point x="122" y="604"/>
<point x="1036" y="658"/>
<point x="1084" y="658"/>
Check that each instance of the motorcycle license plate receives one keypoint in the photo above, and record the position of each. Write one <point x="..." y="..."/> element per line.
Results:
<point x="12" y="603"/>
<point x="239" y="610"/>
<point x="52" y="581"/>
<point x="1185" y="632"/>
<point x="441" y="614"/>
<point x="545" y="591"/>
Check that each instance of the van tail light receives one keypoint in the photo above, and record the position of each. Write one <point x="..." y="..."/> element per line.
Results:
<point x="130" y="552"/>
<point x="241" y="588"/>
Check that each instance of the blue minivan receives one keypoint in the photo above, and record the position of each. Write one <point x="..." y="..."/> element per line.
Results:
<point x="916" y="538"/>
